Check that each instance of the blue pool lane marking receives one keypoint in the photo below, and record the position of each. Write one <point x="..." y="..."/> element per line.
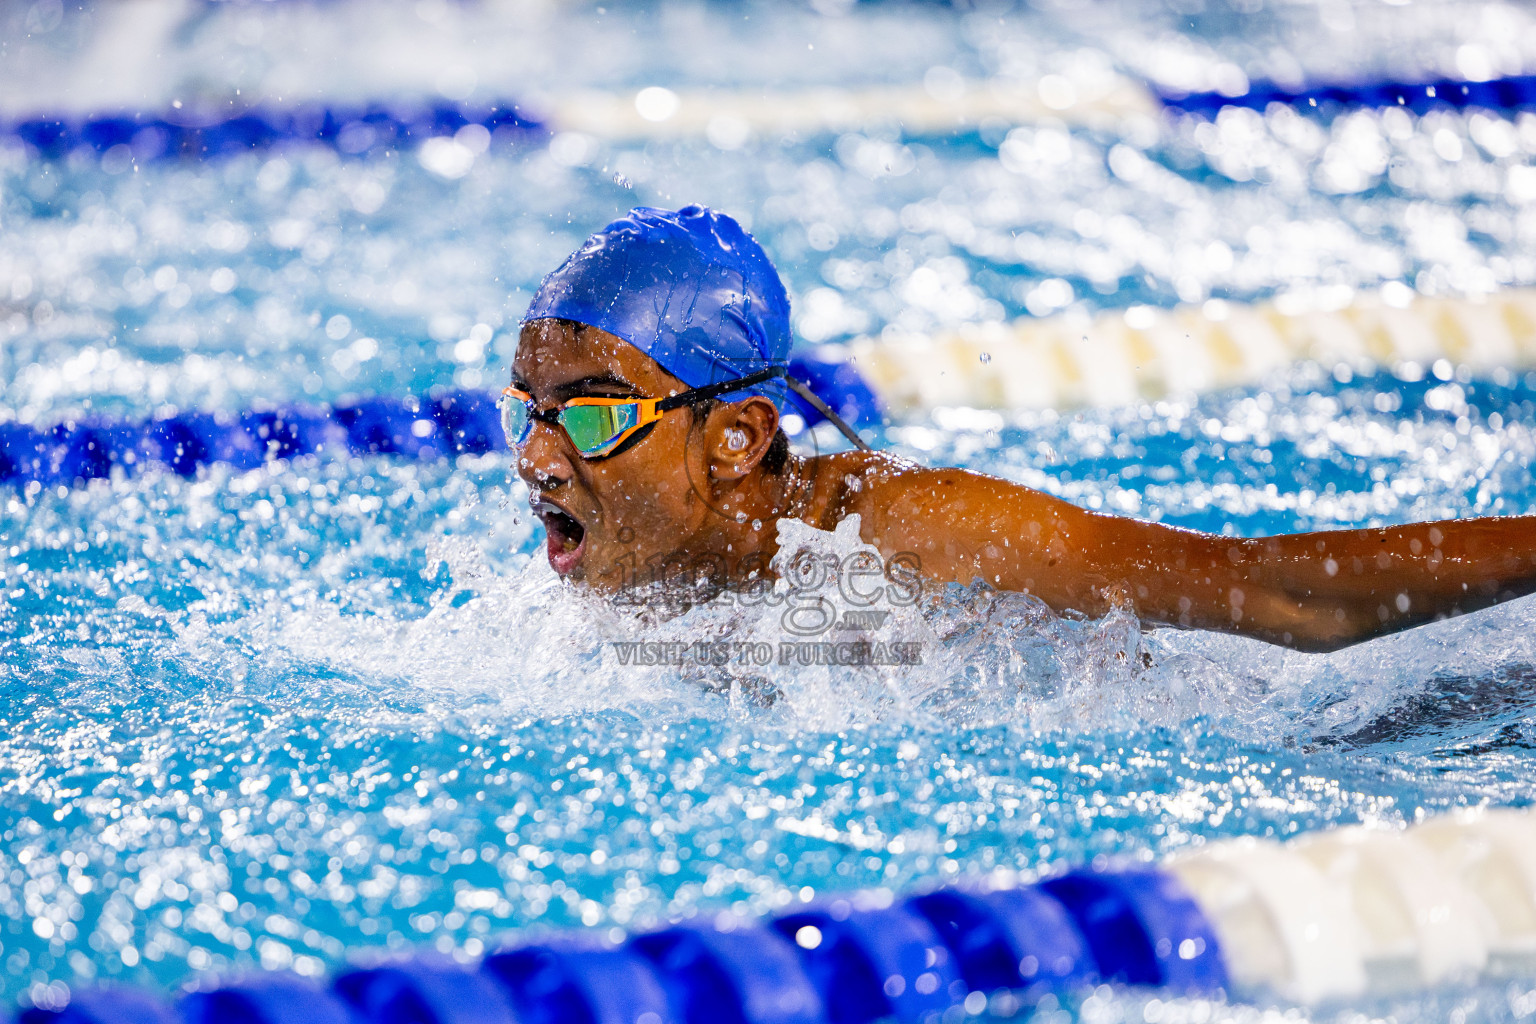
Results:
<point x="1517" y="92"/>
<point x="847" y="961"/>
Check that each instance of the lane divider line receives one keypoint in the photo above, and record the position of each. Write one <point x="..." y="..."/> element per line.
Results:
<point x="455" y="423"/>
<point x="428" y="427"/>
<point x="129" y="138"/>
<point x="1060" y="362"/>
<point x="1516" y="92"/>
<point x="1094" y="98"/>
<point x="1342" y="913"/>
<point x="859" y="959"/>
<point x="1418" y="924"/>
<point x="1337" y="914"/>
<point x="1144" y="353"/>
<point x="729" y="117"/>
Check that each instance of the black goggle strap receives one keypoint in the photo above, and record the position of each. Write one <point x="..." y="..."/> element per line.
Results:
<point x="709" y="391"/>
<point x="703" y="394"/>
<point x="826" y="410"/>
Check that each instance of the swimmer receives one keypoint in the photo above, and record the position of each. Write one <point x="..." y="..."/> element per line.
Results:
<point x="645" y="404"/>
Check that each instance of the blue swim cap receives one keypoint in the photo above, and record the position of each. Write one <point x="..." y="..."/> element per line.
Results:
<point x="689" y="288"/>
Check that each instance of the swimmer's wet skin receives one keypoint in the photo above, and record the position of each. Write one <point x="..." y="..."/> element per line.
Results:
<point x="662" y="302"/>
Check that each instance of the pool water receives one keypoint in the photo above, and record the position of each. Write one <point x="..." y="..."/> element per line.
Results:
<point x="275" y="718"/>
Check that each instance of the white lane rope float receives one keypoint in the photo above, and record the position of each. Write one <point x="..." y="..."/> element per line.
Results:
<point x="1346" y="912"/>
<point x="1145" y="353"/>
<point x="939" y="106"/>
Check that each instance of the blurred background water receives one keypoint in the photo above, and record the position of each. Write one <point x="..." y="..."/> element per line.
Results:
<point x="267" y="718"/>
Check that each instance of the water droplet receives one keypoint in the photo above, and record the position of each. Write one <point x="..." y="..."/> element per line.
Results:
<point x="986" y="357"/>
<point x="622" y="182"/>
<point x="757" y="524"/>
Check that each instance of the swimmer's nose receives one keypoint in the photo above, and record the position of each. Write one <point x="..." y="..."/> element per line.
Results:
<point x="543" y="461"/>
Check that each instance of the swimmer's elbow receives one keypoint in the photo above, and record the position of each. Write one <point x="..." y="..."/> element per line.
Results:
<point x="1320" y="644"/>
<point x="1336" y="627"/>
<point x="1314" y="629"/>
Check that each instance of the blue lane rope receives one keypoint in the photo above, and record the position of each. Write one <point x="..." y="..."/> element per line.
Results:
<point x="426" y="428"/>
<point x="432" y="427"/>
<point x="383" y="127"/>
<point x="558" y="982"/>
<point x="1514" y="93"/>
<point x="1141" y="927"/>
<point x="1014" y="939"/>
<point x="844" y="961"/>
<point x="357" y="131"/>
<point x="873" y="963"/>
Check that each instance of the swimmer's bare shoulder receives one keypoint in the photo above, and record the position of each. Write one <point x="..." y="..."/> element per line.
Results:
<point x="948" y="518"/>
<point x="963" y="525"/>
<point x="1317" y="591"/>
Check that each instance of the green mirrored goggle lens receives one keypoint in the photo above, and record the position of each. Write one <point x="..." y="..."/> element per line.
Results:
<point x="593" y="427"/>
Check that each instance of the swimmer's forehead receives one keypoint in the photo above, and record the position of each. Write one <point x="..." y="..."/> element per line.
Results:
<point x="561" y="360"/>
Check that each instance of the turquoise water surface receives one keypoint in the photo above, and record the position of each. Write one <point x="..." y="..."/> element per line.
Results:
<point x="272" y="718"/>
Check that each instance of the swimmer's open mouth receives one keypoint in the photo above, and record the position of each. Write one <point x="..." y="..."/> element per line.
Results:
<point x="566" y="537"/>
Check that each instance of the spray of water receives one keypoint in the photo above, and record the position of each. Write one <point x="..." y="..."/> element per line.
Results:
<point x="842" y="637"/>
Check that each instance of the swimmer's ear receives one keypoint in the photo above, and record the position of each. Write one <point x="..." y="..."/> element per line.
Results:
<point x="739" y="435"/>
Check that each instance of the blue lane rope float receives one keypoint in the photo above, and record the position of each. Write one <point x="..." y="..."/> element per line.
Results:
<point x="1517" y="92"/>
<point x="1012" y="939"/>
<point x="1332" y="915"/>
<point x="572" y="981"/>
<point x="839" y="383"/>
<point x="745" y="975"/>
<point x="100" y="1006"/>
<point x="845" y="961"/>
<point x="356" y="130"/>
<point x="873" y="962"/>
<point x="454" y="423"/>
<point x="381" y="127"/>
<point x="1142" y="928"/>
<point x="435" y="991"/>
<point x="268" y="999"/>
<point x="426" y="428"/>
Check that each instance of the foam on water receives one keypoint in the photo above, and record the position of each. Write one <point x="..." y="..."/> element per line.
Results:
<point x="536" y="646"/>
<point x="542" y="648"/>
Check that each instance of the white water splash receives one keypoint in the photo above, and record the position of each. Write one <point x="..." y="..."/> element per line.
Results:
<point x="823" y="647"/>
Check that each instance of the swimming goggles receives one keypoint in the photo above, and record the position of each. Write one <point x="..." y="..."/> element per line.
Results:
<point x="600" y="427"/>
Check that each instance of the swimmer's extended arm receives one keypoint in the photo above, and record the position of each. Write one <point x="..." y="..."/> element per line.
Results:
<point x="1313" y="591"/>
